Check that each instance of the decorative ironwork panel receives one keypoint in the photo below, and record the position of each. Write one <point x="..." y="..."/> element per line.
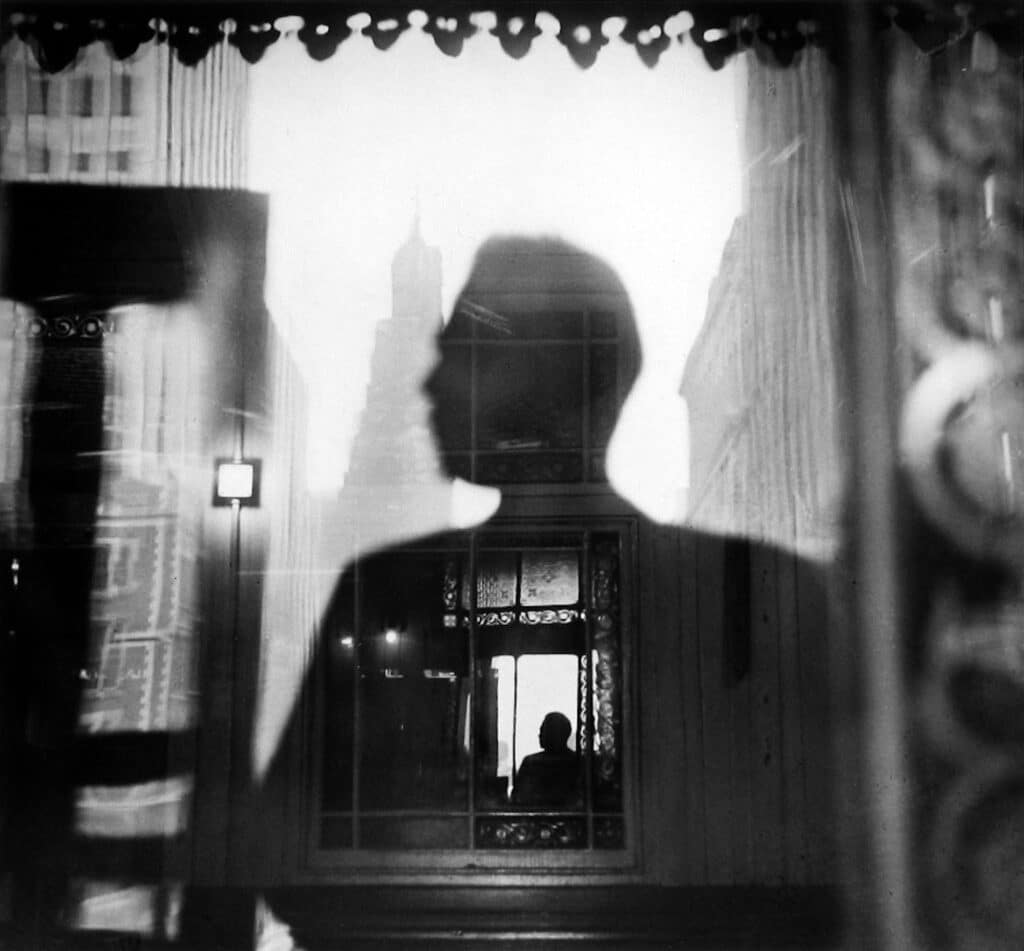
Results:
<point x="583" y="728"/>
<point x="959" y="213"/>
<point x="531" y="832"/>
<point x="450" y="595"/>
<point x="550" y="616"/>
<point x="609" y="832"/>
<point x="607" y="672"/>
<point x="495" y="618"/>
<point x="87" y="324"/>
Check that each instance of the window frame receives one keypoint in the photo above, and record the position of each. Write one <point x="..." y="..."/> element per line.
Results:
<point x="517" y="515"/>
<point x="589" y="306"/>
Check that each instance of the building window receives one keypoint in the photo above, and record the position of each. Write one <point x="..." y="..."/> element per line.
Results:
<point x="120" y="161"/>
<point x="83" y="161"/>
<point x="82" y="91"/>
<point x="38" y="160"/>
<point x="473" y="684"/>
<point x="39" y="95"/>
<point x="122" y="89"/>
<point x="450" y="664"/>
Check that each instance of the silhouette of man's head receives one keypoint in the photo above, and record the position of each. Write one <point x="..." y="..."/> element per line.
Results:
<point x="530" y="304"/>
<point x="555" y="731"/>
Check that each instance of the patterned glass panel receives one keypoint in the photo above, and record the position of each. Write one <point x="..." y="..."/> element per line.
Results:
<point x="549" y="578"/>
<point x="496" y="581"/>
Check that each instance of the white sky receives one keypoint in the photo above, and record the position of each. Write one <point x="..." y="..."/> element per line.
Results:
<point x="637" y="165"/>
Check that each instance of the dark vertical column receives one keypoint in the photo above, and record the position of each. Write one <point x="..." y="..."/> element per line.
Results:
<point x="52" y="624"/>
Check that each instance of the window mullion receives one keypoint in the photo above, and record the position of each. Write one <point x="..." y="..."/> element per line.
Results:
<point x="472" y="700"/>
<point x="356" y="700"/>
<point x="588" y="707"/>
<point x="588" y="476"/>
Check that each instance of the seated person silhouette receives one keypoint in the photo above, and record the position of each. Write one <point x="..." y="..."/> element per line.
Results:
<point x="550" y="779"/>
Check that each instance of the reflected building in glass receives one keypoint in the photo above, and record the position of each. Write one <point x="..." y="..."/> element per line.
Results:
<point x="393" y="472"/>
<point x="761" y="380"/>
<point x="146" y="119"/>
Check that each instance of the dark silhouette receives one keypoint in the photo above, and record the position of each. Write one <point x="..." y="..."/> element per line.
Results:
<point x="551" y="778"/>
<point x="394" y="711"/>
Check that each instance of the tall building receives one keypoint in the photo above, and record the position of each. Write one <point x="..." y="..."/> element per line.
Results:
<point x="393" y="461"/>
<point x="142" y="120"/>
<point x="761" y="380"/>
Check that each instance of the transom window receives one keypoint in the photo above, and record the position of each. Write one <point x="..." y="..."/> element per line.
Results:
<point x="451" y="663"/>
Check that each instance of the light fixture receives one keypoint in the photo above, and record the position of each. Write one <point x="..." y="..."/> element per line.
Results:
<point x="391" y="635"/>
<point x="237" y="482"/>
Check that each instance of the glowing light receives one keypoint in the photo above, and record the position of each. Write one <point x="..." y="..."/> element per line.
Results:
<point x="348" y="641"/>
<point x="391" y="635"/>
<point x="236" y="480"/>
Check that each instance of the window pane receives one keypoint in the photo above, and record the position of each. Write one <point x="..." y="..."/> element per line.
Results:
<point x="414" y="687"/>
<point x="122" y="90"/>
<point x="532" y="400"/>
<point x="413" y="752"/>
<point x="550" y="577"/>
<point x="339" y="708"/>
<point x="38" y="95"/>
<point x="547" y="684"/>
<point x="419" y="832"/>
<point x="522" y="468"/>
<point x="604" y="396"/>
<point x="496" y="581"/>
<point x="83" y="96"/>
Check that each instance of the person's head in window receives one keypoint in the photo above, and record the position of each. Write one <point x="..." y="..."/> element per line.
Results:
<point x="550" y="779"/>
<point x="555" y="730"/>
<point x="535" y="361"/>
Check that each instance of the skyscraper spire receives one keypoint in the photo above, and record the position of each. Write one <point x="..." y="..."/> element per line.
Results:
<point x="393" y="457"/>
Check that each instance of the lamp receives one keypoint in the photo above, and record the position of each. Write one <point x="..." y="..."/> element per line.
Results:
<point x="237" y="482"/>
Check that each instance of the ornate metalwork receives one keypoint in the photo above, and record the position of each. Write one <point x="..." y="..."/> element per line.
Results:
<point x="84" y="325"/>
<point x="550" y="616"/>
<point x="495" y="618"/>
<point x="450" y="595"/>
<point x="531" y="832"/>
<point x="609" y="832"/>
<point x="546" y="616"/>
<point x="607" y="673"/>
<point x="961" y="261"/>
<point x="583" y="704"/>
<point x="56" y="33"/>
